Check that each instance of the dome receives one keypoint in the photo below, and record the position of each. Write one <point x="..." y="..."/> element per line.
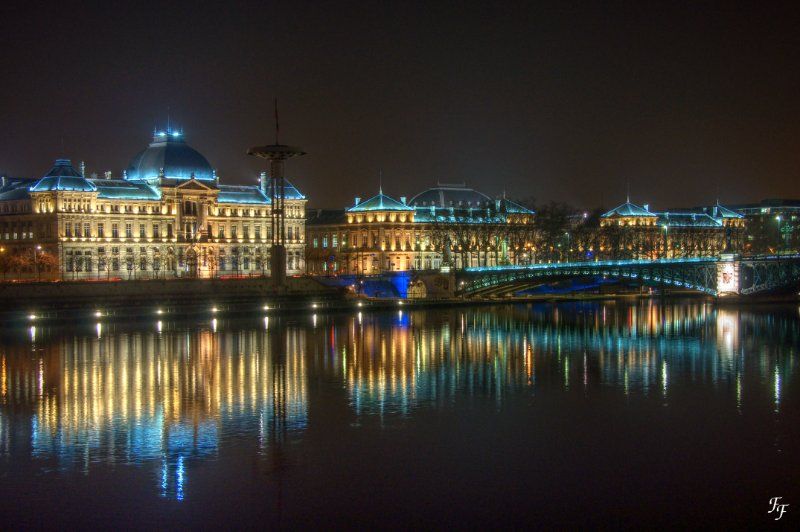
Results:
<point x="458" y="195"/>
<point x="169" y="156"/>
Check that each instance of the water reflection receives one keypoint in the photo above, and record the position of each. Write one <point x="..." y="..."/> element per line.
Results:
<point x="171" y="397"/>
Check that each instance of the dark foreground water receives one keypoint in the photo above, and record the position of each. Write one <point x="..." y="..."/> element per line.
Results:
<point x="609" y="414"/>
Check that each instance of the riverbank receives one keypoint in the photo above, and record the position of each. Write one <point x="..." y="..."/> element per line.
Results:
<point x="193" y="298"/>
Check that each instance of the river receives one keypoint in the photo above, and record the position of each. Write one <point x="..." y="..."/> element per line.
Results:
<point x="572" y="414"/>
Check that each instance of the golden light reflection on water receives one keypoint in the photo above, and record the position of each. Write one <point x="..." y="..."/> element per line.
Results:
<point x="171" y="396"/>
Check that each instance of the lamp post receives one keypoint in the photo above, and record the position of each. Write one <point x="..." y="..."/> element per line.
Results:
<point x="666" y="240"/>
<point x="783" y="232"/>
<point x="36" y="249"/>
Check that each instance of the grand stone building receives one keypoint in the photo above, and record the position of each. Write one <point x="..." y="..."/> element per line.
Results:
<point x="447" y="225"/>
<point x="632" y="231"/>
<point x="167" y="216"/>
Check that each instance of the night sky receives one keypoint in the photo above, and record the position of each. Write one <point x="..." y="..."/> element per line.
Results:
<point x="555" y="101"/>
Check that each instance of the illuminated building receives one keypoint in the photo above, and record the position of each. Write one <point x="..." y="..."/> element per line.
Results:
<point x="447" y="225"/>
<point x="168" y="216"/>
<point x="773" y="225"/>
<point x="633" y="231"/>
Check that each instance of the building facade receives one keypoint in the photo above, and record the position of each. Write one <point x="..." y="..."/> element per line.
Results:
<point x="447" y="225"/>
<point x="167" y="216"/>
<point x="631" y="231"/>
<point x="773" y="225"/>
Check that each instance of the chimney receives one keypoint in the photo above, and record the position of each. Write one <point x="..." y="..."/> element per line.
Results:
<point x="403" y="200"/>
<point x="358" y="200"/>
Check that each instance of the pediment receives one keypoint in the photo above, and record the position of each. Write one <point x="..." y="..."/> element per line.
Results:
<point x="194" y="184"/>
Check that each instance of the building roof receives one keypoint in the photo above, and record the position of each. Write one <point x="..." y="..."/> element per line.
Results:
<point x="169" y="156"/>
<point x="769" y="204"/>
<point x="629" y="209"/>
<point x="509" y="207"/>
<point x="687" y="219"/>
<point x="462" y="216"/>
<point x="125" y="189"/>
<point x="720" y="211"/>
<point x="455" y="195"/>
<point x="249" y="194"/>
<point x="325" y="217"/>
<point x="63" y="177"/>
<point x="16" y="188"/>
<point x="380" y="202"/>
<point x="291" y="191"/>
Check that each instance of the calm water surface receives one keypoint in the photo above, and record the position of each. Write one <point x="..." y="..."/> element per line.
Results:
<point x="616" y="414"/>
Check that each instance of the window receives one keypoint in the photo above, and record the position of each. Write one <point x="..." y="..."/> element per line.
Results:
<point x="114" y="230"/>
<point x="258" y="232"/>
<point x="141" y="230"/>
<point x="68" y="229"/>
<point x="324" y="241"/>
<point x="77" y="230"/>
<point x="221" y="231"/>
<point x="128" y="230"/>
<point x="233" y="231"/>
<point x="155" y="230"/>
<point x="246" y="231"/>
<point x="316" y="242"/>
<point x="100" y="231"/>
<point x="169" y="230"/>
<point x="115" y="264"/>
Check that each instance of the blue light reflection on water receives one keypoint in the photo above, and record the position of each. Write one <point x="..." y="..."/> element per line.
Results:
<point x="175" y="399"/>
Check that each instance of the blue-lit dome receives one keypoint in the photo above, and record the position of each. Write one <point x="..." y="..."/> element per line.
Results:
<point x="170" y="157"/>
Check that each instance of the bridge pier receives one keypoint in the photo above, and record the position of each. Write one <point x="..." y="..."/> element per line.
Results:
<point x="728" y="281"/>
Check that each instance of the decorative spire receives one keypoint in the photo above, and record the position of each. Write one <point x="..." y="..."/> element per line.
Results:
<point x="380" y="181"/>
<point x="627" y="190"/>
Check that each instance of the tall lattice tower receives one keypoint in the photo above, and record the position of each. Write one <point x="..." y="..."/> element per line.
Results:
<point x="276" y="154"/>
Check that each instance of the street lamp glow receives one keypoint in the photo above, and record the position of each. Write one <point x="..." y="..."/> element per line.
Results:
<point x="360" y="304"/>
<point x="32" y="317"/>
<point x="159" y="312"/>
<point x="313" y="305"/>
<point x="98" y="314"/>
<point x="266" y="307"/>
<point x="214" y="309"/>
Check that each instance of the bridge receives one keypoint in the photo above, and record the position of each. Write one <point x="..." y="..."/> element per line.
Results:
<point x="717" y="276"/>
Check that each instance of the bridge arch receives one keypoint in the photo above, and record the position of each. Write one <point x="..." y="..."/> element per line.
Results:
<point x="691" y="273"/>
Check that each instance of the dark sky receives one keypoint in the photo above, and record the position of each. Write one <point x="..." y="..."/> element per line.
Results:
<point x="552" y="100"/>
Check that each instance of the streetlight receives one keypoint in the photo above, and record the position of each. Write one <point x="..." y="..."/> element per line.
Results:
<point x="781" y="234"/>
<point x="36" y="261"/>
